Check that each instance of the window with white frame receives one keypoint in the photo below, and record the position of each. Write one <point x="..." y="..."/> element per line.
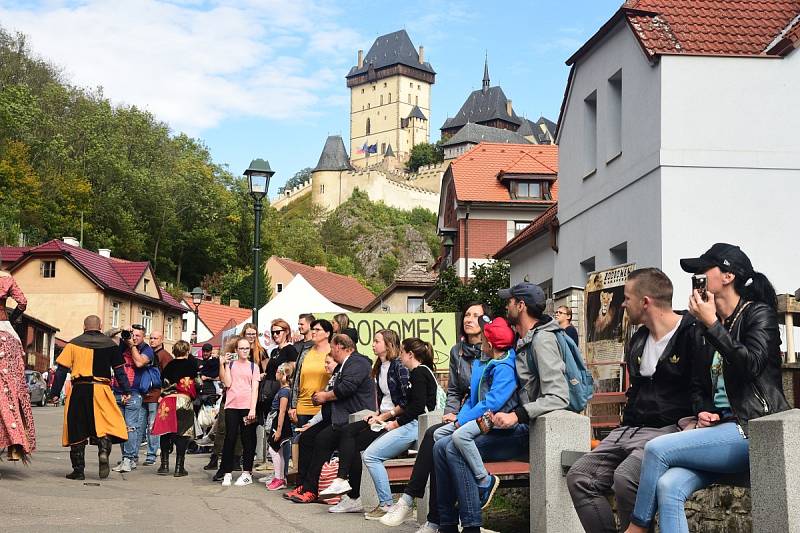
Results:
<point x="415" y="304"/>
<point x="115" y="310"/>
<point x="48" y="269"/>
<point x="614" y="122"/>
<point x="147" y="320"/>
<point x="590" y="133"/>
<point x="170" y="328"/>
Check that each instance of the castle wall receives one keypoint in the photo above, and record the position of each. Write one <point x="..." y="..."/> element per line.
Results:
<point x="287" y="197"/>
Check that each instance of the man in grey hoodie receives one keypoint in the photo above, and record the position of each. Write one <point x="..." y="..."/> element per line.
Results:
<point x="542" y="387"/>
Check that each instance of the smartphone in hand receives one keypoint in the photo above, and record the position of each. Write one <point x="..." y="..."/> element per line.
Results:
<point x="700" y="284"/>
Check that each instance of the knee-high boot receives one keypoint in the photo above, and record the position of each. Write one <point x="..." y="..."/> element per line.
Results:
<point x="77" y="454"/>
<point x="103" y="452"/>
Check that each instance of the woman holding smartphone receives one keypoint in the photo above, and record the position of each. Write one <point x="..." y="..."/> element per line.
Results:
<point x="736" y="380"/>
<point x="239" y="375"/>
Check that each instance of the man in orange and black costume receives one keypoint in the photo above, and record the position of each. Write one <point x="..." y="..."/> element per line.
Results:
<point x="91" y="414"/>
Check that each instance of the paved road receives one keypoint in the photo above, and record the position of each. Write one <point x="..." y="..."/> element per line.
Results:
<point x="39" y="498"/>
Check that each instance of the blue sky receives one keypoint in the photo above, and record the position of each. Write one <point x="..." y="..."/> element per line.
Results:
<point x="265" y="78"/>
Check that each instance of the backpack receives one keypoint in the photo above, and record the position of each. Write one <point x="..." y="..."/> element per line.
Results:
<point x="441" y="395"/>
<point x="579" y="379"/>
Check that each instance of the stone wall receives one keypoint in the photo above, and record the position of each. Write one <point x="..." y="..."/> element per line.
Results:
<point x="720" y="509"/>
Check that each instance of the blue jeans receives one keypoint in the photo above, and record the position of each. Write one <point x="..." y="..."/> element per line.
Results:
<point x="676" y="465"/>
<point x="464" y="441"/>
<point x="455" y="482"/>
<point x="149" y="411"/>
<point x="133" y="412"/>
<point x="388" y="446"/>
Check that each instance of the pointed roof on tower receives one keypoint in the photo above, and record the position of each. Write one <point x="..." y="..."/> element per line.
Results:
<point x="486" y="73"/>
<point x="389" y="50"/>
<point x="334" y="155"/>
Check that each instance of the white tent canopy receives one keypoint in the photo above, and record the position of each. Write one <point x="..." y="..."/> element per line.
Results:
<point x="297" y="297"/>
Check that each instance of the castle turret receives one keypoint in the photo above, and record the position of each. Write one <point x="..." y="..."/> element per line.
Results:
<point x="386" y="86"/>
<point x="329" y="188"/>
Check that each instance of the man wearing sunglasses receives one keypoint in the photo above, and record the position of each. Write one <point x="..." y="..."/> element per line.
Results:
<point x="137" y="354"/>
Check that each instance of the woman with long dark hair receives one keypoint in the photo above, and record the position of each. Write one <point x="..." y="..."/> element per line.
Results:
<point x="738" y="380"/>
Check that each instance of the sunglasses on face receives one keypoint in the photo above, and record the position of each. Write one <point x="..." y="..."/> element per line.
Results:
<point x="276" y="331"/>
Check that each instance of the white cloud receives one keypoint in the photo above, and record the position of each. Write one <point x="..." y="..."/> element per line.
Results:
<point x="194" y="63"/>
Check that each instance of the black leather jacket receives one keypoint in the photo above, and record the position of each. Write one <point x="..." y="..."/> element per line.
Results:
<point x="750" y="349"/>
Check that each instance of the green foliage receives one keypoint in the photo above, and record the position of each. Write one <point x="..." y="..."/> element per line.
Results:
<point x="425" y="154"/>
<point x="300" y="177"/>
<point x="482" y="286"/>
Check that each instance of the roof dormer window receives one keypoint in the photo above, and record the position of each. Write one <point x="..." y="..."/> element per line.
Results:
<point x="530" y="190"/>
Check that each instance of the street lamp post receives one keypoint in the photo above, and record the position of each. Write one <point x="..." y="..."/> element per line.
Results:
<point x="258" y="176"/>
<point x="197" y="299"/>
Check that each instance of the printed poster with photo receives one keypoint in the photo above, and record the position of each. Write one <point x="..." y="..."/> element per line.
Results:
<point x="607" y="331"/>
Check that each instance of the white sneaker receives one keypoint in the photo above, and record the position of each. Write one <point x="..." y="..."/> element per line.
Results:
<point x="124" y="466"/>
<point x="339" y="486"/>
<point x="226" y="481"/>
<point x="397" y="514"/>
<point x="265" y="479"/>
<point x="347" y="505"/>
<point x="244" y="479"/>
<point x="427" y="528"/>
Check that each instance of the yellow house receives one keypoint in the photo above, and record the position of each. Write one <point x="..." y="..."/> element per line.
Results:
<point x="64" y="283"/>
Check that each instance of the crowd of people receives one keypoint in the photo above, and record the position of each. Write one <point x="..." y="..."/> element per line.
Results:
<point x="696" y="379"/>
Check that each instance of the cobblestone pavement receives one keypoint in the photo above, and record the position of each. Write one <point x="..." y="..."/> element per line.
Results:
<point x="39" y="498"/>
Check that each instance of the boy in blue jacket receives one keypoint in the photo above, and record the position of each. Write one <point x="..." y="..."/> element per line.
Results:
<point x="492" y="390"/>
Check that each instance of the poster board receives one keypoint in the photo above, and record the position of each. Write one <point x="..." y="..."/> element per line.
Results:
<point x="607" y="331"/>
<point x="437" y="328"/>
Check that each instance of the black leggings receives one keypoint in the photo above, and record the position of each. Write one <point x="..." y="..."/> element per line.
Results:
<point x="423" y="468"/>
<point x="168" y="439"/>
<point x="354" y="439"/>
<point x="234" y="426"/>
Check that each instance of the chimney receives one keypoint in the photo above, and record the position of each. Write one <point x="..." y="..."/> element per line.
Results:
<point x="105" y="252"/>
<point x="72" y="241"/>
<point x="360" y="58"/>
<point x="421" y="55"/>
<point x="321" y="267"/>
<point x="234" y="303"/>
<point x="216" y="299"/>
<point x="508" y="108"/>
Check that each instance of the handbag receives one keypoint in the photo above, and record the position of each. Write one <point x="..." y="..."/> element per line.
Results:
<point x="329" y="472"/>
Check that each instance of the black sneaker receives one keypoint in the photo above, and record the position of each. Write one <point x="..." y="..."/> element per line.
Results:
<point x="486" y="493"/>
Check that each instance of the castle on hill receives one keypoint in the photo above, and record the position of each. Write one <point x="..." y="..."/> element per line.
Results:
<point x="390" y="103"/>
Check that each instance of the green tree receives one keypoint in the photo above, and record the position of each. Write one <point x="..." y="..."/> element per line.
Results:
<point x="300" y="177"/>
<point x="482" y="286"/>
<point x="425" y="154"/>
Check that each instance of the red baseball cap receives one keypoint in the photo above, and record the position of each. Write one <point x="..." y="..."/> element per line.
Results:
<point x="498" y="333"/>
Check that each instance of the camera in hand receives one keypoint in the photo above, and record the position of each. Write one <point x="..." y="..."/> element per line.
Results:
<point x="700" y="283"/>
<point x="125" y="335"/>
<point x="233" y="356"/>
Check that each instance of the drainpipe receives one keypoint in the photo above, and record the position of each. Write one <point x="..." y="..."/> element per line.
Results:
<point x="466" y="244"/>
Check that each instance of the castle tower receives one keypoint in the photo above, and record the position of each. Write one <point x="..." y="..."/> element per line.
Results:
<point x="390" y="98"/>
<point x="328" y="179"/>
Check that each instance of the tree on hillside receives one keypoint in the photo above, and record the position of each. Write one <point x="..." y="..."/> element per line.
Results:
<point x="482" y="286"/>
<point x="425" y="154"/>
<point x="300" y="177"/>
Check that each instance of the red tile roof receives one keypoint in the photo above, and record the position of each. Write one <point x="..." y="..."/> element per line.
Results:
<point x="339" y="289"/>
<point x="216" y="317"/>
<point x="475" y="173"/>
<point x="539" y="226"/>
<point x="706" y="27"/>
<point x="10" y="254"/>
<point x="110" y="273"/>
<point x="716" y="27"/>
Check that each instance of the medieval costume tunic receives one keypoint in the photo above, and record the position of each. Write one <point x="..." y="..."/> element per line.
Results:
<point x="91" y="410"/>
<point x="175" y="409"/>
<point x="17" y="431"/>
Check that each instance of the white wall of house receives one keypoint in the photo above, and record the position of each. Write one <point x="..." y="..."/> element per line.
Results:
<point x="203" y="334"/>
